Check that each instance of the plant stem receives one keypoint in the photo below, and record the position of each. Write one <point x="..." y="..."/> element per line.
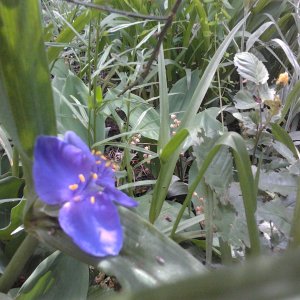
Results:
<point x="15" y="165"/>
<point x="225" y="252"/>
<point x="295" y="230"/>
<point x="209" y="210"/>
<point x="17" y="263"/>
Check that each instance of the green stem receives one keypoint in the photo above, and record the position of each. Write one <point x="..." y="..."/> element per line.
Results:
<point x="15" y="165"/>
<point x="95" y="81"/>
<point x="225" y="252"/>
<point x="209" y="210"/>
<point x="17" y="263"/>
<point x="193" y="187"/>
<point x="295" y="230"/>
<point x="89" y="75"/>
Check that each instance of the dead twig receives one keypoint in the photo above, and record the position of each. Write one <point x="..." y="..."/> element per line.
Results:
<point x="154" y="54"/>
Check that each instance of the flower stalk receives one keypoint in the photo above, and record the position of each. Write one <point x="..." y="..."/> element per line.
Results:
<point x="17" y="263"/>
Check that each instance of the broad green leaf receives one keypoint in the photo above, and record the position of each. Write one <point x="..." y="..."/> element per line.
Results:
<point x="242" y="162"/>
<point x="168" y="214"/>
<point x="204" y="123"/>
<point x="10" y="187"/>
<point x="10" y="190"/>
<point x="181" y="93"/>
<point x="16" y="220"/>
<point x="231" y="226"/>
<point x="57" y="277"/>
<point x="148" y="258"/>
<point x="256" y="279"/>
<point x="284" y="151"/>
<point x="282" y="136"/>
<point x="142" y="116"/>
<point x="295" y="168"/>
<point x="219" y="173"/>
<point x="251" y="68"/>
<point x="70" y="98"/>
<point x="244" y="100"/>
<point x="281" y="182"/>
<point x="25" y="93"/>
<point x="276" y="212"/>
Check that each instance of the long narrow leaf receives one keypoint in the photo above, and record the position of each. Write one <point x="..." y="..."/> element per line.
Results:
<point x="25" y="93"/>
<point x="164" y="131"/>
<point x="242" y="161"/>
<point x="167" y="168"/>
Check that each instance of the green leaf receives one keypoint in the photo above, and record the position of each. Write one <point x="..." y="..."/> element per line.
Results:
<point x="148" y="257"/>
<point x="291" y="99"/>
<point x="10" y="186"/>
<point x="168" y="214"/>
<point x="182" y="91"/>
<point x="173" y="145"/>
<point x="255" y="279"/>
<point x="276" y="212"/>
<point x="281" y="182"/>
<point x="251" y="68"/>
<point x="282" y="136"/>
<point x="25" y="93"/>
<point x="5" y="144"/>
<point x="57" y="277"/>
<point x="142" y="116"/>
<point x="166" y="171"/>
<point x="244" y="100"/>
<point x="231" y="227"/>
<point x="219" y="173"/>
<point x="70" y="97"/>
<point x="68" y="33"/>
<point x="16" y="219"/>
<point x="242" y="162"/>
<point x="164" y="130"/>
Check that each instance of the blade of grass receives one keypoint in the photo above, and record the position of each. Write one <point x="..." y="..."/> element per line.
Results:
<point x="164" y="131"/>
<point x="24" y="113"/>
<point x="167" y="168"/>
<point x="282" y="136"/>
<point x="290" y="100"/>
<point x="242" y="161"/>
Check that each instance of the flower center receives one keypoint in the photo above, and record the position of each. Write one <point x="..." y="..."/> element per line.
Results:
<point x="85" y="186"/>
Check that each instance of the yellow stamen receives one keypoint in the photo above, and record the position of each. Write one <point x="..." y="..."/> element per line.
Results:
<point x="95" y="176"/>
<point x="98" y="153"/>
<point x="73" y="187"/>
<point x="92" y="199"/>
<point x="93" y="151"/>
<point x="103" y="157"/>
<point x="81" y="177"/>
<point x="108" y="163"/>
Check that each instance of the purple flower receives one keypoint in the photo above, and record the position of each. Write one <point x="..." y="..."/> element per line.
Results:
<point x="68" y="174"/>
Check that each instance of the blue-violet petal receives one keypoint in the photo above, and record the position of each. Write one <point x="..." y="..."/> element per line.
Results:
<point x="94" y="225"/>
<point x="56" y="166"/>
